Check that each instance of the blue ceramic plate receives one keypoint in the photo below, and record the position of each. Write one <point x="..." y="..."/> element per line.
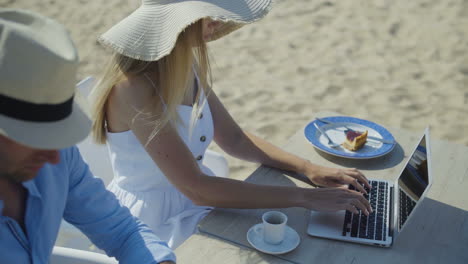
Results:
<point x="335" y="130"/>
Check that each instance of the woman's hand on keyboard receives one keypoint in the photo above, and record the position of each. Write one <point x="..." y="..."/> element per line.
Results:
<point x="335" y="199"/>
<point x="336" y="177"/>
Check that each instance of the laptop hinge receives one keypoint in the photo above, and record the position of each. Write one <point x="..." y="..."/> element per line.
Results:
<point x="390" y="218"/>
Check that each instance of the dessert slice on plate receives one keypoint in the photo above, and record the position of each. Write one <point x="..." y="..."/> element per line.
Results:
<point x="355" y="140"/>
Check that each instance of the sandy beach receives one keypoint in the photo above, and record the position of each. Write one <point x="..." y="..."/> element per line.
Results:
<point x="401" y="64"/>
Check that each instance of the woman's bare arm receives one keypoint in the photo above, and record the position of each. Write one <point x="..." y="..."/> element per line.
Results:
<point x="176" y="161"/>
<point x="238" y="143"/>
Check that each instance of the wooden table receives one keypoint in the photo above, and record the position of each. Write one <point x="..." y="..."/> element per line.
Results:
<point x="438" y="232"/>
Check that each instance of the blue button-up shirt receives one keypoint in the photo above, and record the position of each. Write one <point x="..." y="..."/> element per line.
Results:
<point x="69" y="190"/>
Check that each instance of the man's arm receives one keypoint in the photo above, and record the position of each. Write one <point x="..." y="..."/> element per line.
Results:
<point x="110" y="226"/>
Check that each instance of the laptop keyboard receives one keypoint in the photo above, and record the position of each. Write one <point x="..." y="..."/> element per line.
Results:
<point x="373" y="226"/>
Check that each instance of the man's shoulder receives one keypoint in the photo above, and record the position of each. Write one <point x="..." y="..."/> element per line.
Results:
<point x="53" y="177"/>
<point x="69" y="157"/>
<point x="69" y="152"/>
<point x="71" y="166"/>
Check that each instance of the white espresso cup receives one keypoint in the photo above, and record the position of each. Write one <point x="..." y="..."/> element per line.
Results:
<point x="274" y="226"/>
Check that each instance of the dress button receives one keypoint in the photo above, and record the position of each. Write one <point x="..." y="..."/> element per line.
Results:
<point x="199" y="157"/>
<point x="200" y="116"/>
<point x="202" y="138"/>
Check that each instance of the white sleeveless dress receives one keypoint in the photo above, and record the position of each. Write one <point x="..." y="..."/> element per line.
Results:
<point x="141" y="186"/>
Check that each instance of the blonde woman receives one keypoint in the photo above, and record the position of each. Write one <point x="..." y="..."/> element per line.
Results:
<point x="157" y="112"/>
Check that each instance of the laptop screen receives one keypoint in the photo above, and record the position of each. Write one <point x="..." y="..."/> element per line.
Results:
<point x="412" y="182"/>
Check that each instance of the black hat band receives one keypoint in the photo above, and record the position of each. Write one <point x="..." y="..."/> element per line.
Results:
<point x="26" y="111"/>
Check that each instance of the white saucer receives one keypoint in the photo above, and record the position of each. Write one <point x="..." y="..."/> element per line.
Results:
<point x="290" y="242"/>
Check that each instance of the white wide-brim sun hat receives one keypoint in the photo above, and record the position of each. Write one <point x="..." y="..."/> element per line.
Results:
<point x="151" y="31"/>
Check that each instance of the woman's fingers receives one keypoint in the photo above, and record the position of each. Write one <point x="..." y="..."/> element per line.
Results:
<point x="356" y="184"/>
<point x="358" y="200"/>
<point x="366" y="203"/>
<point x="333" y="199"/>
<point x="352" y="209"/>
<point x="361" y="206"/>
<point x="355" y="173"/>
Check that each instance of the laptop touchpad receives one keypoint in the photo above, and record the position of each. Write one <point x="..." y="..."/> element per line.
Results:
<point x="326" y="223"/>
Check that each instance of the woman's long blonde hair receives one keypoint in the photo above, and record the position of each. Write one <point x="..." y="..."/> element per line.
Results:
<point x="172" y="74"/>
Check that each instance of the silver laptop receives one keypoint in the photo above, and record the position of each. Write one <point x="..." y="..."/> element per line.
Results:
<point x="393" y="203"/>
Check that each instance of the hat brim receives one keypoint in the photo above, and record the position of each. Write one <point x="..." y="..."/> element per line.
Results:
<point x="151" y="31"/>
<point x="49" y="135"/>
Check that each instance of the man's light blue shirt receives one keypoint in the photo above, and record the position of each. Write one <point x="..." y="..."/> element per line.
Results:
<point x="69" y="190"/>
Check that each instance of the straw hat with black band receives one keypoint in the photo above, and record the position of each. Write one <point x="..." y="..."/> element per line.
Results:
<point x="151" y="31"/>
<point x="38" y="66"/>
